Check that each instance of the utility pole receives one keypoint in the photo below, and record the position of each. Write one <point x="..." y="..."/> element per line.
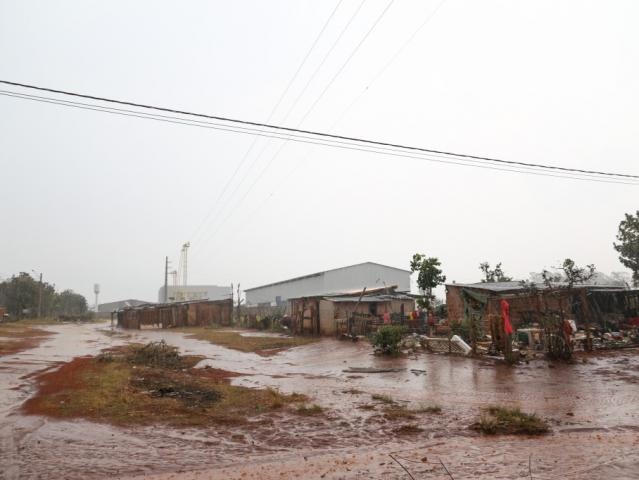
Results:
<point x="166" y="279"/>
<point x="40" y="297"/>
<point x="239" y="302"/>
<point x="185" y="253"/>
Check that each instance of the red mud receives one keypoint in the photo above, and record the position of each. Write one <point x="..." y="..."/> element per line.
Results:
<point x="592" y="410"/>
<point x="61" y="383"/>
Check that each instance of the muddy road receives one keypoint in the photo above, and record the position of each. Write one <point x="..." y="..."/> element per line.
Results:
<point x="592" y="406"/>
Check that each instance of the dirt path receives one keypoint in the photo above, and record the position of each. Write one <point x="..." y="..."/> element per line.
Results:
<point x="592" y="407"/>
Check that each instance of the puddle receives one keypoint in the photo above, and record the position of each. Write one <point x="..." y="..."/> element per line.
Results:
<point x="594" y="416"/>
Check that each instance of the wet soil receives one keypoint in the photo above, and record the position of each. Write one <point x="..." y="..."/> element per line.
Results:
<point x="591" y="406"/>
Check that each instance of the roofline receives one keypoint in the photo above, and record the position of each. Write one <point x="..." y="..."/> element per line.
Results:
<point x="539" y="286"/>
<point x="322" y="273"/>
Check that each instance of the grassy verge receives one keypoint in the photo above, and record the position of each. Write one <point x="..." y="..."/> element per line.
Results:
<point x="19" y="336"/>
<point x="149" y="384"/>
<point x="502" y="420"/>
<point x="312" y="410"/>
<point x="232" y="339"/>
<point x="400" y="412"/>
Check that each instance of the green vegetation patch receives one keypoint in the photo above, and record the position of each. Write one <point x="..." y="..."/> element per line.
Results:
<point x="388" y="338"/>
<point x="401" y="412"/>
<point x="503" y="420"/>
<point x="150" y="384"/>
<point x="309" y="410"/>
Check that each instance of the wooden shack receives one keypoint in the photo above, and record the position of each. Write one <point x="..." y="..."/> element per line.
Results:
<point x="197" y="313"/>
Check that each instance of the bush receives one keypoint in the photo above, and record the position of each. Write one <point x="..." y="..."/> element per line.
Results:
<point x="388" y="337"/>
<point x="502" y="420"/>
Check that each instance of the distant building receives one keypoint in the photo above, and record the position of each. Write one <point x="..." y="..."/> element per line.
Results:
<point x="113" y="306"/>
<point x="338" y="280"/>
<point x="194" y="292"/>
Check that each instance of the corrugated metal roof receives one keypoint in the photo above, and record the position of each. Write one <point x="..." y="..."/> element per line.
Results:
<point x="516" y="286"/>
<point x="369" y="299"/>
<point x="322" y="273"/>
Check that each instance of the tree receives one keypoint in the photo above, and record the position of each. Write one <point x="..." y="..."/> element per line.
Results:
<point x="70" y="303"/>
<point x="628" y="246"/>
<point x="429" y="276"/>
<point x="496" y="275"/>
<point x="22" y="294"/>
<point x="572" y="274"/>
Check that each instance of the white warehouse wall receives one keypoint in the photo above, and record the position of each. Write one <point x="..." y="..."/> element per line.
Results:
<point x="195" y="292"/>
<point x="355" y="277"/>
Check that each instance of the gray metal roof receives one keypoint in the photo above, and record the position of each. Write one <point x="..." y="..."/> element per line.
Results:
<point x="369" y="299"/>
<point x="322" y="273"/>
<point x="498" y="287"/>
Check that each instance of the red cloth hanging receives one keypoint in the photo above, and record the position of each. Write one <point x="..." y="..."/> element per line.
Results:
<point x="505" y="315"/>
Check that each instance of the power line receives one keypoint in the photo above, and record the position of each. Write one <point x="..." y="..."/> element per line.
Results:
<point x="356" y="99"/>
<point x="439" y="158"/>
<point x="350" y="57"/>
<point x="286" y="116"/>
<point x="281" y="98"/>
<point x="315" y="133"/>
<point x="392" y="59"/>
<point x="317" y="100"/>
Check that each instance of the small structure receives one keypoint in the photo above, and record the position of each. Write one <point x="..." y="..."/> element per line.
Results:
<point x="180" y="314"/>
<point x="342" y="279"/>
<point x="610" y="307"/>
<point x="329" y="314"/>
<point x="105" y="309"/>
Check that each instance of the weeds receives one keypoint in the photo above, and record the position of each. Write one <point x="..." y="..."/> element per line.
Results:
<point x="155" y="354"/>
<point x="502" y="420"/>
<point x="409" y="429"/>
<point x="396" y="412"/>
<point x="383" y="398"/>
<point x="388" y="338"/>
<point x="312" y="410"/>
<point x="143" y="385"/>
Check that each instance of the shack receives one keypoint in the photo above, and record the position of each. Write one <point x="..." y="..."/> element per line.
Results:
<point x="327" y="314"/>
<point x="608" y="306"/>
<point x="196" y="313"/>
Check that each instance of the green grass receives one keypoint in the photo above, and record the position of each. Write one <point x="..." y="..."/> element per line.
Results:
<point x="383" y="398"/>
<point x="233" y="339"/>
<point x="119" y="387"/>
<point x="503" y="420"/>
<point x="309" y="410"/>
<point x="400" y="412"/>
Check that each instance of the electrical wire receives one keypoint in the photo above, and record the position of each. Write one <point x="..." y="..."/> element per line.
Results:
<point x="312" y="107"/>
<point x="278" y="103"/>
<point x="284" y="119"/>
<point x="316" y="133"/>
<point x="439" y="158"/>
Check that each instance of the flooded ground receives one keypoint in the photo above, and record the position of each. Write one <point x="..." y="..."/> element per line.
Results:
<point x="591" y="405"/>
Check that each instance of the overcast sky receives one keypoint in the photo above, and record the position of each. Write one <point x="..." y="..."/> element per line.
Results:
<point x="88" y="197"/>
